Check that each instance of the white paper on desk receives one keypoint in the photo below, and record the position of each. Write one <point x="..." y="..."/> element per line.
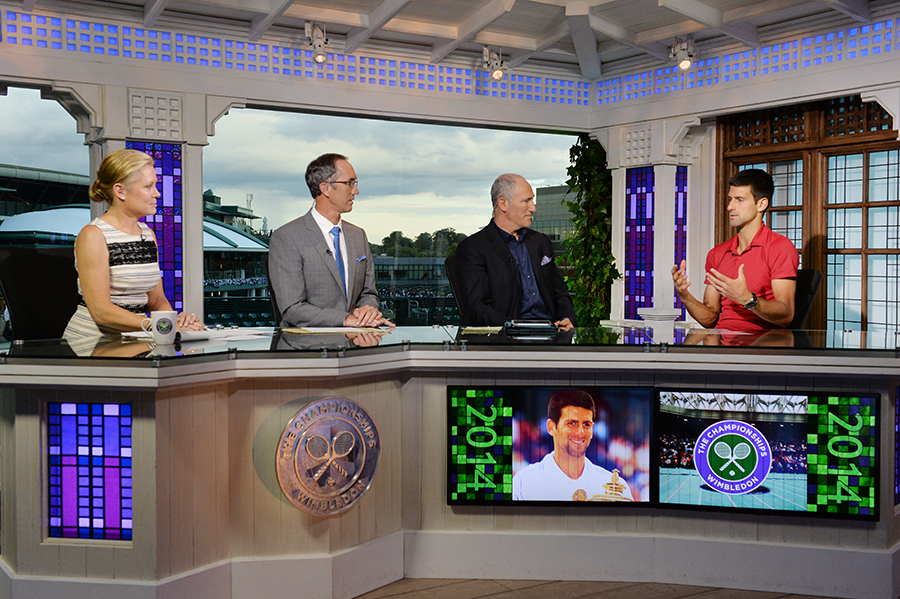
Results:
<point x="226" y="334"/>
<point x="332" y="330"/>
<point x="187" y="336"/>
<point x="480" y="330"/>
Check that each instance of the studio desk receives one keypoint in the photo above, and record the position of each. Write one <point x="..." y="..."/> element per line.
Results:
<point x="210" y="521"/>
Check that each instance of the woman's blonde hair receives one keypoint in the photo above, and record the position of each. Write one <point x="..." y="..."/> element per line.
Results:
<point x="120" y="166"/>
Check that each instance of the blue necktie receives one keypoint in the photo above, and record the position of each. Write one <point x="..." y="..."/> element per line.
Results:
<point x="338" y="257"/>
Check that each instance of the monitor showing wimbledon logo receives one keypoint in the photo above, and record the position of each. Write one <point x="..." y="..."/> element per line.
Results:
<point x="791" y="451"/>
<point x="732" y="457"/>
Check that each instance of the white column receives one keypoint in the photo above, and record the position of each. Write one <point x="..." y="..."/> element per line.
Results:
<point x="192" y="226"/>
<point x="701" y="211"/>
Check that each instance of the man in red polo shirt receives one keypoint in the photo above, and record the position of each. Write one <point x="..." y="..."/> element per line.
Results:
<point x="751" y="279"/>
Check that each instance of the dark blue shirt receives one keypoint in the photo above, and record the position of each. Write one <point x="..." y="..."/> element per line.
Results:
<point x="532" y="304"/>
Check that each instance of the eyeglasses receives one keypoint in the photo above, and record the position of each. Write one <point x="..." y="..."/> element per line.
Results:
<point x="348" y="183"/>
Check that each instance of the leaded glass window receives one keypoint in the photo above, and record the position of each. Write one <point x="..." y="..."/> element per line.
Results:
<point x="639" y="224"/>
<point x="681" y="226"/>
<point x="166" y="223"/>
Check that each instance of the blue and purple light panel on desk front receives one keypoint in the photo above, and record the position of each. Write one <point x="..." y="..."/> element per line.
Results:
<point x="89" y="457"/>
<point x="166" y="223"/>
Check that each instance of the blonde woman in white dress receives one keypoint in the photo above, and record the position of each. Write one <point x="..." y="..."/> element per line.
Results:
<point x="116" y="256"/>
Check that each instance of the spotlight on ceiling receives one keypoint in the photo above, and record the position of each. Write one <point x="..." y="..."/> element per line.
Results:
<point x="493" y="63"/>
<point x="317" y="40"/>
<point x="683" y="52"/>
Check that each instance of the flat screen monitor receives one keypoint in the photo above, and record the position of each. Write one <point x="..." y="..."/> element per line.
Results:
<point x="517" y="445"/>
<point x="804" y="453"/>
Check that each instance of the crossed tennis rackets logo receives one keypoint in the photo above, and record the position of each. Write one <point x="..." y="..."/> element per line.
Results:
<point x="318" y="448"/>
<point x="732" y="457"/>
<point x="741" y="451"/>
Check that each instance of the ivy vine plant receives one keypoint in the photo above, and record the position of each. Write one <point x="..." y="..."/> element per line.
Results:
<point x="592" y="266"/>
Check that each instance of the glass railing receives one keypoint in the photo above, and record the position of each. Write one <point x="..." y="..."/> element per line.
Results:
<point x="613" y="335"/>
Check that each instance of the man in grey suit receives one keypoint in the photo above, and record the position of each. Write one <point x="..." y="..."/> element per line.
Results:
<point x="320" y="266"/>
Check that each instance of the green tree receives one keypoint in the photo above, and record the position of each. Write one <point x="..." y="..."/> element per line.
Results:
<point x="589" y="248"/>
<point x="445" y="241"/>
<point x="424" y="244"/>
<point x="398" y="245"/>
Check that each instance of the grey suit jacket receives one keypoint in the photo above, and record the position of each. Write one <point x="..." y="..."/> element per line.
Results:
<point x="305" y="278"/>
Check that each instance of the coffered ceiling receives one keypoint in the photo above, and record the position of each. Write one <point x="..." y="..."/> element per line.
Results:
<point x="591" y="38"/>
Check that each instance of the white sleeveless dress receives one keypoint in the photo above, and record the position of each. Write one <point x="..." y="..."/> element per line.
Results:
<point x="133" y="272"/>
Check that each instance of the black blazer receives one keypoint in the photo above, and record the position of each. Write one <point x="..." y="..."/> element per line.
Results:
<point x="490" y="278"/>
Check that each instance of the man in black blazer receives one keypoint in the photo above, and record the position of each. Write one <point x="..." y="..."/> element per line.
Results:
<point x="507" y="270"/>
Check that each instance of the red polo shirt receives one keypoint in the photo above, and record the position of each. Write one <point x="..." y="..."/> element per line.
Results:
<point x="769" y="256"/>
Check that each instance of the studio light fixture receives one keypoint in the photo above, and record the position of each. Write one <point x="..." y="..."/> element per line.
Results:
<point x="683" y="52"/>
<point x="493" y="63"/>
<point x="318" y="40"/>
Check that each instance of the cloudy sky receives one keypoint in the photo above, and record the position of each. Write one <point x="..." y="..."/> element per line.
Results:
<point x="39" y="133"/>
<point x="413" y="177"/>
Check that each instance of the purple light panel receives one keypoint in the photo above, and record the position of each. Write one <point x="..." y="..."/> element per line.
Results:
<point x="680" y="224"/>
<point x="166" y="223"/>
<point x="897" y="446"/>
<point x="639" y="186"/>
<point x="635" y="337"/>
<point x="89" y="457"/>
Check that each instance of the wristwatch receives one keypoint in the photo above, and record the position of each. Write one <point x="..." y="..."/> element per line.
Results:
<point x="752" y="303"/>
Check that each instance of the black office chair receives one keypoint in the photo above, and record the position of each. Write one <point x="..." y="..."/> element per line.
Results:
<point x="275" y="309"/>
<point x="465" y="313"/>
<point x="808" y="282"/>
<point x="40" y="289"/>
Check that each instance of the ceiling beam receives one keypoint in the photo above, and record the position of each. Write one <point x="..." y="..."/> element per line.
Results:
<point x="713" y="18"/>
<point x="656" y="50"/>
<point x="260" y="24"/>
<point x="471" y="26"/>
<point x="578" y="19"/>
<point x="629" y="38"/>
<point x="152" y="10"/>
<point x="28" y="5"/>
<point x="326" y="15"/>
<point x="383" y="13"/>
<point x="667" y="33"/>
<point x="420" y="28"/>
<point x="590" y="3"/>
<point x="857" y="9"/>
<point x="505" y="40"/>
<point x="546" y="39"/>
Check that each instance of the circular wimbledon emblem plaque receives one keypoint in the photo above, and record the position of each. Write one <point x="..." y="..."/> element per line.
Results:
<point x="327" y="456"/>
<point x="732" y="457"/>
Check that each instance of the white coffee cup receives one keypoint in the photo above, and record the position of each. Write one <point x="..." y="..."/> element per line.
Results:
<point x="162" y="325"/>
